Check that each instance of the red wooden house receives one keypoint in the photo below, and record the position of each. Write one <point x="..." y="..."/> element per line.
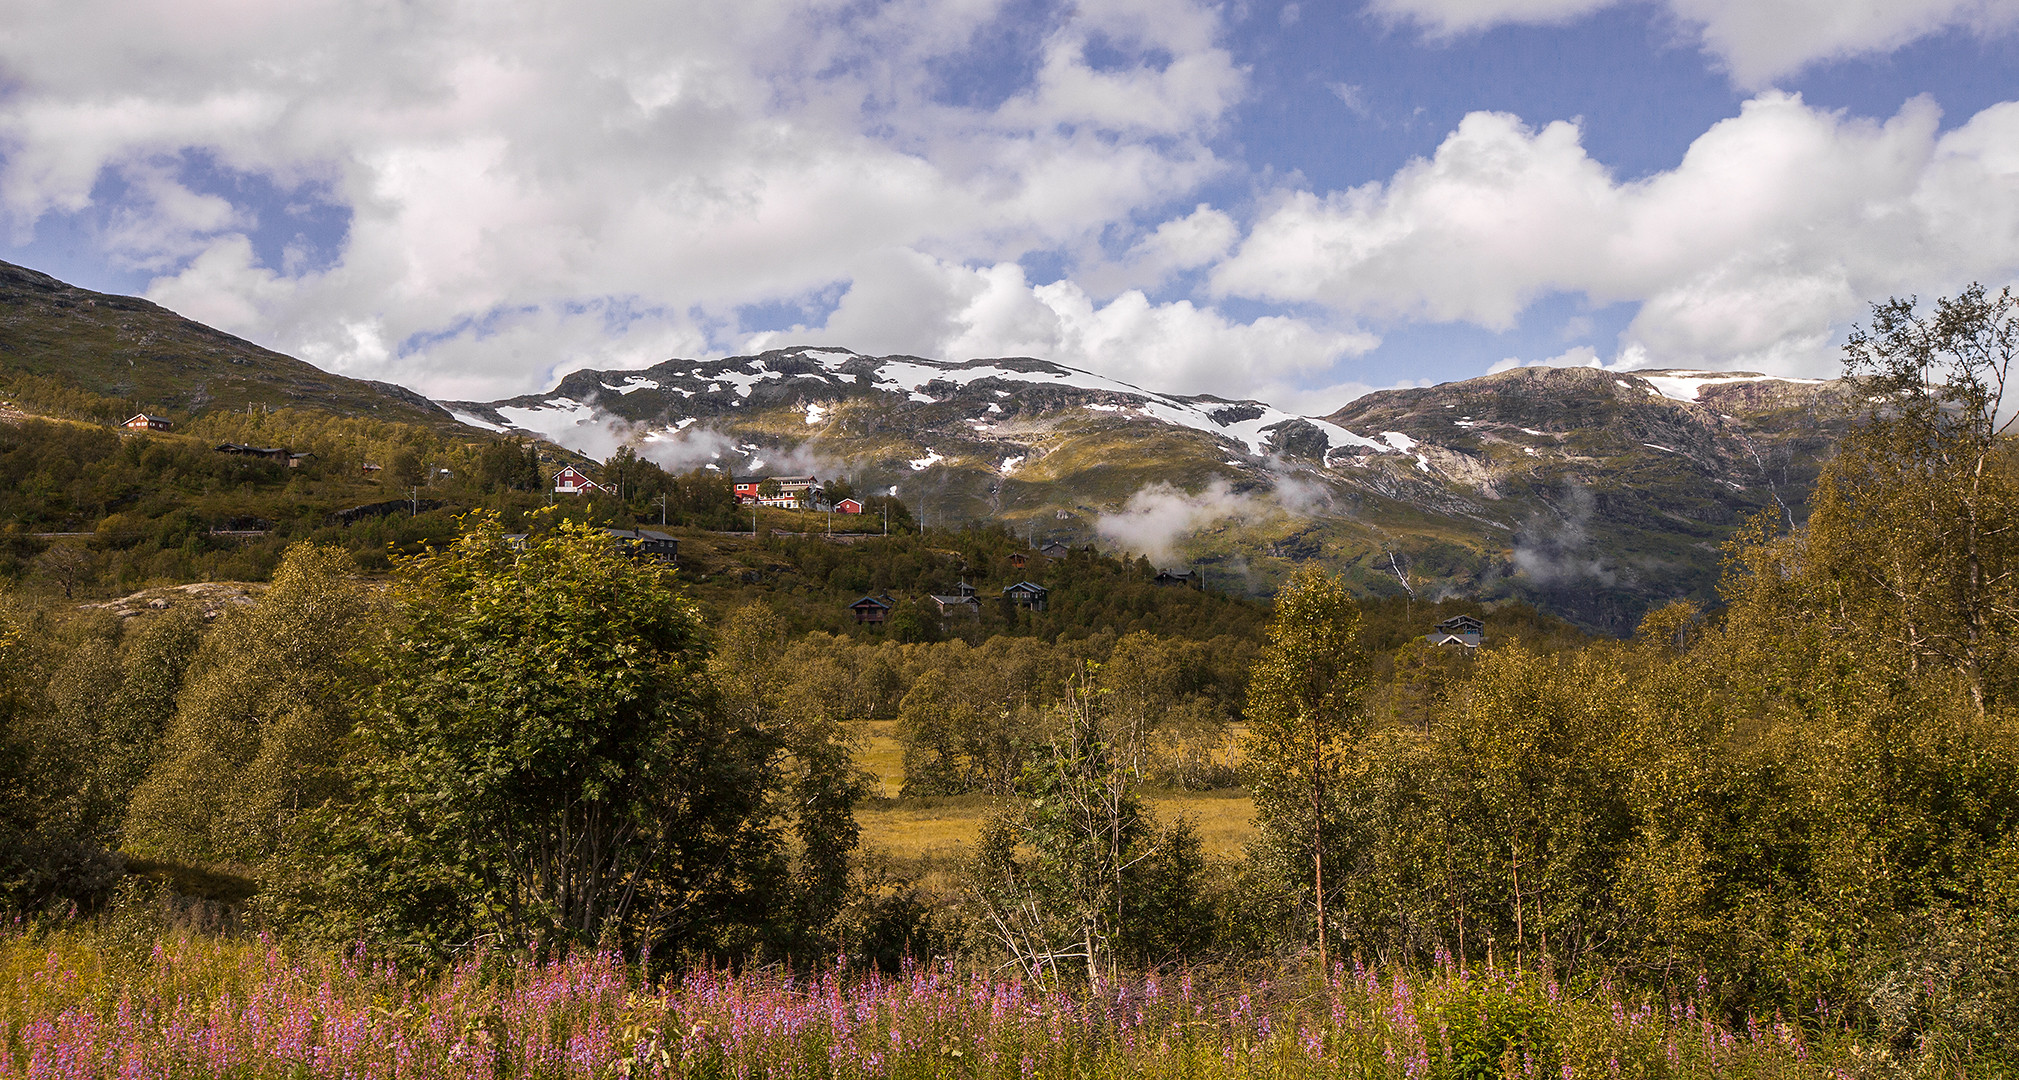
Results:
<point x="573" y="481"/>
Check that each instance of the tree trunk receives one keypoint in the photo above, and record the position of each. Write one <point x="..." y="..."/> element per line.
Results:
<point x="1318" y="849"/>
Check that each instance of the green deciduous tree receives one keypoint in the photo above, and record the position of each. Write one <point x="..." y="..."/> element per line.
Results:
<point x="48" y="856"/>
<point x="1074" y="869"/>
<point x="764" y="688"/>
<point x="115" y="693"/>
<point x="1914" y="544"/>
<point x="509" y="465"/>
<point x="547" y="760"/>
<point x="259" y="719"/>
<point x="1305" y="716"/>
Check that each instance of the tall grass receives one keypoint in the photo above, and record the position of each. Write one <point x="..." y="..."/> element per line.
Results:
<point x="73" y="1004"/>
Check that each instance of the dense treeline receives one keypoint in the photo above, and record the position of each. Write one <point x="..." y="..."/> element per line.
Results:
<point x="811" y="579"/>
<point x="137" y="509"/>
<point x="1809" y="804"/>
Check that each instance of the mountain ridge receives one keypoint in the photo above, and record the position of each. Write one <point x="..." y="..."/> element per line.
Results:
<point x="1593" y="493"/>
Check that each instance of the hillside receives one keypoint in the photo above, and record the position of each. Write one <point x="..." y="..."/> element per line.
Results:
<point x="1593" y="493"/>
<point x="152" y="359"/>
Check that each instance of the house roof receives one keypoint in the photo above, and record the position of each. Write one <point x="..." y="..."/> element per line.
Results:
<point x="1460" y="624"/>
<point x="652" y="535"/>
<point x="874" y="601"/>
<point x="149" y="417"/>
<point x="1026" y="586"/>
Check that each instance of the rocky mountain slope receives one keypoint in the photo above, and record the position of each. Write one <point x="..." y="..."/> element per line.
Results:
<point x="1592" y="493"/>
<point x="125" y="347"/>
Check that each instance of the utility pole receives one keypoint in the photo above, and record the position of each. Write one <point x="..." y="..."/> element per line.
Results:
<point x="662" y="509"/>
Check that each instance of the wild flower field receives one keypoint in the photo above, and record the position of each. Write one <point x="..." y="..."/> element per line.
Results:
<point x="73" y="1004"/>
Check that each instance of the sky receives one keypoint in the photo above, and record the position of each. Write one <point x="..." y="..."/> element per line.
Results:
<point x="1290" y="201"/>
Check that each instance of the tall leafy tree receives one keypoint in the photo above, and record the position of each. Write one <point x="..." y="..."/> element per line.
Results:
<point x="1914" y="540"/>
<point x="259" y="719"/>
<point x="1305" y="715"/>
<point x="760" y="687"/>
<point x="48" y="856"/>
<point x="547" y="761"/>
<point x="1075" y="869"/>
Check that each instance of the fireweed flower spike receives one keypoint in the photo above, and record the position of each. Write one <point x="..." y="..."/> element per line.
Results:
<point x="249" y="1009"/>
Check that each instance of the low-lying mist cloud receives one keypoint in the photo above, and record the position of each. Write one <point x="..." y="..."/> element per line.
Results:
<point x="1556" y="550"/>
<point x="590" y="430"/>
<point x="1157" y="517"/>
<point x="687" y="449"/>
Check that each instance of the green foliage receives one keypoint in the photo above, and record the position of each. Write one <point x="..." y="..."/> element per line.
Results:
<point x="258" y="723"/>
<point x="546" y="761"/>
<point x="971" y="718"/>
<point x="1912" y="551"/>
<point x="116" y="690"/>
<point x="1305" y="717"/>
<point x="49" y="396"/>
<point x="509" y="465"/>
<point x="48" y="856"/>
<point x="1171" y="702"/>
<point x="763" y="689"/>
<point x="1492" y="1028"/>
<point x="1074" y="873"/>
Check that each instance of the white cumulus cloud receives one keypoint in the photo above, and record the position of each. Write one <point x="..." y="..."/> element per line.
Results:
<point x="1758" y="41"/>
<point x="904" y="302"/>
<point x="529" y="185"/>
<point x="1774" y="231"/>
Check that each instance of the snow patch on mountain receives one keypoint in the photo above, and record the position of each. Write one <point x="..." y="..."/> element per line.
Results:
<point x="476" y="421"/>
<point x="1688" y="385"/>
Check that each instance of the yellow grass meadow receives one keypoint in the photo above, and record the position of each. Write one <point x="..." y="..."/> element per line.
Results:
<point x="929" y="834"/>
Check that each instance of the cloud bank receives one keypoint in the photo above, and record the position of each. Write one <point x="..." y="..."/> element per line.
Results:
<point x="1156" y="518"/>
<point x="1757" y="41"/>
<point x="472" y="199"/>
<point x="534" y="187"/>
<point x="1775" y="230"/>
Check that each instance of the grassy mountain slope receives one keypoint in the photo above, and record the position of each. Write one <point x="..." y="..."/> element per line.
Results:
<point x="152" y="359"/>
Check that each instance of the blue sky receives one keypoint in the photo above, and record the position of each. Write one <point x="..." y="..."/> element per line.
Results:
<point x="1296" y="202"/>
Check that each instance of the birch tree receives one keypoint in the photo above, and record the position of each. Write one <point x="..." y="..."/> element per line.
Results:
<point x="1305" y="714"/>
